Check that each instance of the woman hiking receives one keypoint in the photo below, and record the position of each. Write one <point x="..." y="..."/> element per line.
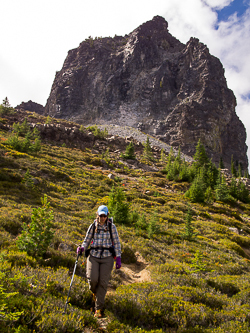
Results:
<point x="102" y="236"/>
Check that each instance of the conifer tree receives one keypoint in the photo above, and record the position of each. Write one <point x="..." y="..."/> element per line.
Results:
<point x="130" y="152"/>
<point x="118" y="206"/>
<point x="147" y="151"/>
<point x="221" y="189"/>
<point x="239" y="173"/>
<point x="196" y="193"/>
<point x="5" y="107"/>
<point x="233" y="190"/>
<point x="200" y="156"/>
<point x="189" y="233"/>
<point x="211" y="174"/>
<point x="209" y="195"/>
<point x="153" y="226"/>
<point x="233" y="169"/>
<point x="242" y="192"/>
<point x="184" y="174"/>
<point x="36" y="236"/>
<point x="221" y="164"/>
<point x="170" y="159"/>
<point x="163" y="157"/>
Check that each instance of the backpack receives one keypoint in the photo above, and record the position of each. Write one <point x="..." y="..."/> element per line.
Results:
<point x="111" y="249"/>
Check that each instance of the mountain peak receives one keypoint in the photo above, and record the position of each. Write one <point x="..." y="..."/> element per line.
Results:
<point x="151" y="81"/>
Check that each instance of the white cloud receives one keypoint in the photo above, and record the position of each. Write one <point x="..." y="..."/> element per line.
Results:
<point x="218" y="4"/>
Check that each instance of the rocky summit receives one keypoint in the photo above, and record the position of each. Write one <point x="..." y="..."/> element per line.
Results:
<point x="151" y="81"/>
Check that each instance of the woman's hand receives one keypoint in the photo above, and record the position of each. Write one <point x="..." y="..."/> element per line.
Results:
<point x="118" y="263"/>
<point x="80" y="250"/>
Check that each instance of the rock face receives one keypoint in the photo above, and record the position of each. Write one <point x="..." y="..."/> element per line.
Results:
<point x="31" y="106"/>
<point x="150" y="80"/>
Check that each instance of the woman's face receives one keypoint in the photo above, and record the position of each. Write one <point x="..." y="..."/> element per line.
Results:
<point x="102" y="219"/>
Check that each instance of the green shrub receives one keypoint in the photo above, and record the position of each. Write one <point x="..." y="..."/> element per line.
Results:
<point x="36" y="237"/>
<point x="153" y="227"/>
<point x="98" y="132"/>
<point x="118" y="207"/>
<point x="130" y="152"/>
<point x="189" y="233"/>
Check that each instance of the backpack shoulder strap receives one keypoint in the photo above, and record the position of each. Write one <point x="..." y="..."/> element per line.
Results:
<point x="93" y="231"/>
<point x="110" y="221"/>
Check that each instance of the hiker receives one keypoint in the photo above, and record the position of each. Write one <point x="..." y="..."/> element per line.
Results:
<point x="102" y="236"/>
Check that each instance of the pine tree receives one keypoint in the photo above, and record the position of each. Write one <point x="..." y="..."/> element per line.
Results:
<point x="170" y="159"/>
<point x="5" y="107"/>
<point x="118" y="206"/>
<point x="239" y="173"/>
<point x="209" y="195"/>
<point x="211" y="174"/>
<point x="221" y="189"/>
<point x="36" y="236"/>
<point x="163" y="157"/>
<point x="196" y="193"/>
<point x="242" y="192"/>
<point x="188" y="233"/>
<point x="147" y="151"/>
<point x="233" y="169"/>
<point x="153" y="226"/>
<point x="221" y="164"/>
<point x="233" y="190"/>
<point x="184" y="174"/>
<point x="200" y="156"/>
<point x="129" y="152"/>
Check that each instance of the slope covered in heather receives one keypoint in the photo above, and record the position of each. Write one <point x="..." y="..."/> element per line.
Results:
<point x="168" y="282"/>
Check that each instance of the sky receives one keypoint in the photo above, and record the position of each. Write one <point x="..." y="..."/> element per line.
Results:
<point x="36" y="36"/>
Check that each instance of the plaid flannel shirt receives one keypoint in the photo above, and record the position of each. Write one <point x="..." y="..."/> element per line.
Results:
<point x="102" y="239"/>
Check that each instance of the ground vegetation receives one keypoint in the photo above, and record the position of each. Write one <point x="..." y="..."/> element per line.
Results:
<point x="194" y="248"/>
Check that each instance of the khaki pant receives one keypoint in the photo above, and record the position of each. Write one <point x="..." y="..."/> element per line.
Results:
<point x="98" y="275"/>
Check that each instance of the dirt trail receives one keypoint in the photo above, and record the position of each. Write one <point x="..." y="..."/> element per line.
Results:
<point x="129" y="273"/>
<point x="137" y="272"/>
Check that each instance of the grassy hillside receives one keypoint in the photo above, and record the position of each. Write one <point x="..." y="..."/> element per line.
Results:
<point x="199" y="270"/>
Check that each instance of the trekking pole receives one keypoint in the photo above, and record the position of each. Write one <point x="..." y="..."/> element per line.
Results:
<point x="78" y="254"/>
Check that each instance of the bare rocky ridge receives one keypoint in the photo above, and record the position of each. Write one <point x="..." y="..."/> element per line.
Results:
<point x="31" y="106"/>
<point x="151" y="81"/>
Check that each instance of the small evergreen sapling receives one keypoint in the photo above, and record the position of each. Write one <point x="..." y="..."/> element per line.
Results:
<point x="118" y="206"/>
<point x="221" y="189"/>
<point x="130" y="152"/>
<point x="27" y="180"/>
<point x="196" y="193"/>
<point x="147" y="151"/>
<point x="189" y="233"/>
<point x="197" y="263"/>
<point x="153" y="227"/>
<point x="37" y="236"/>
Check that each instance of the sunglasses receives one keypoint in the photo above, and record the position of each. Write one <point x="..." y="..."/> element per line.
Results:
<point x="103" y="215"/>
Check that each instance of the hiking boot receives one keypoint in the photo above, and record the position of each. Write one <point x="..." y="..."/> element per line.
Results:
<point x="98" y="314"/>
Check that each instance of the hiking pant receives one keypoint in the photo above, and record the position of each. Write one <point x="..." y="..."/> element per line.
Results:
<point x="98" y="274"/>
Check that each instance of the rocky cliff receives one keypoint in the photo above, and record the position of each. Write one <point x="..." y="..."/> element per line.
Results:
<point x="150" y="80"/>
<point x="31" y="106"/>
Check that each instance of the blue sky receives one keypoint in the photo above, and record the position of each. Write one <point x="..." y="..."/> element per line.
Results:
<point x="36" y="36"/>
<point x="237" y="6"/>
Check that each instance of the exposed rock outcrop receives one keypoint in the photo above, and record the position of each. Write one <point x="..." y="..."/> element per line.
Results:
<point x="31" y="106"/>
<point x="150" y="80"/>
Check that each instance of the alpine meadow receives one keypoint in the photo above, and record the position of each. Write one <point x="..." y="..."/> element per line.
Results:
<point x="184" y="228"/>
